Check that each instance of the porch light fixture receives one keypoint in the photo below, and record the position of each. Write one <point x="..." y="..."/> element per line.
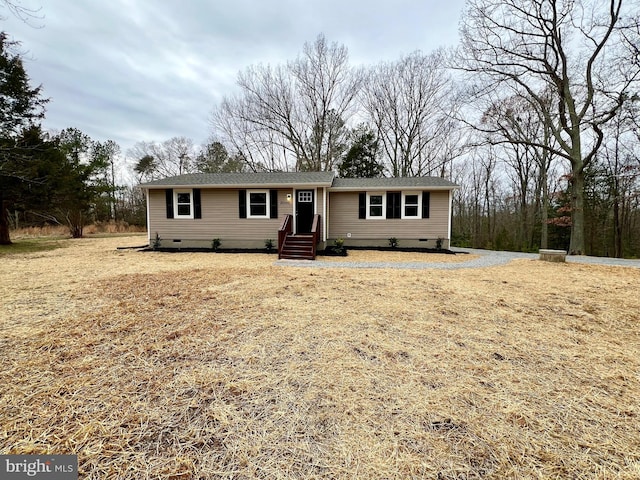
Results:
<point x="288" y="197"/>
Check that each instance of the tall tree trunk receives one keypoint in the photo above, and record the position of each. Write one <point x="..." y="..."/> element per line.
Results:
<point x="5" y="238"/>
<point x="544" y="164"/>
<point x="112" y="193"/>
<point x="617" y="225"/>
<point x="577" y="245"/>
<point x="524" y="242"/>
<point x="544" y="214"/>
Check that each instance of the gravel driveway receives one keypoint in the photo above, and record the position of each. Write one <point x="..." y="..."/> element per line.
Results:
<point x="503" y="257"/>
<point x="487" y="258"/>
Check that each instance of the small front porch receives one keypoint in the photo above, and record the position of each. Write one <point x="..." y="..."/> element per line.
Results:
<point x="298" y="246"/>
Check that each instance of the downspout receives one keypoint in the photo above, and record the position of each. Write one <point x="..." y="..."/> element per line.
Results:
<point x="146" y="194"/>
<point x="450" y="215"/>
<point x="325" y="220"/>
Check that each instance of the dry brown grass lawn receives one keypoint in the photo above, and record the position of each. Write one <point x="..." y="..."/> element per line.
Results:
<point x="400" y="257"/>
<point x="197" y="366"/>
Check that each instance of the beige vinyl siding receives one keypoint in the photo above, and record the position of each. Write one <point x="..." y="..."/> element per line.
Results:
<point x="220" y="219"/>
<point x="343" y="219"/>
<point x="320" y="192"/>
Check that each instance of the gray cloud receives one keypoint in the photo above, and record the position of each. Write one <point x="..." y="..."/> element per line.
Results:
<point x="132" y="70"/>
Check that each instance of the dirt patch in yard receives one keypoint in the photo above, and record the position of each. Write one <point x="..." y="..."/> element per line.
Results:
<point x="200" y="365"/>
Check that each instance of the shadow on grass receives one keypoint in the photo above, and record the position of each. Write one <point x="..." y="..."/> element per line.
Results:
<point x="31" y="245"/>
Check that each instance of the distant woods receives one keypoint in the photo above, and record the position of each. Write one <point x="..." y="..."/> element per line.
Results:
<point x="535" y="115"/>
<point x="63" y="179"/>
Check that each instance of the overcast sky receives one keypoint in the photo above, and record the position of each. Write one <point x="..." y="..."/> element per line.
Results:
<point x="149" y="70"/>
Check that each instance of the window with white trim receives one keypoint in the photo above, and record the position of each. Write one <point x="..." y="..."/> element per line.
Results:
<point x="411" y="205"/>
<point x="183" y="203"/>
<point x="258" y="203"/>
<point x="375" y="205"/>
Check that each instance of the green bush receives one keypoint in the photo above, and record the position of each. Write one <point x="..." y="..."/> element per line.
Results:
<point x="215" y="244"/>
<point x="393" y="242"/>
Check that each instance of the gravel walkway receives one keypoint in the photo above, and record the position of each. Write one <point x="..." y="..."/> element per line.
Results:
<point x="488" y="258"/>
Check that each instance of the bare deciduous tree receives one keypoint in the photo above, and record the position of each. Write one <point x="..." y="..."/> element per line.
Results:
<point x="24" y="13"/>
<point x="407" y="101"/>
<point x="621" y="171"/>
<point x="155" y="160"/>
<point x="107" y="153"/>
<point x="262" y="149"/>
<point x="293" y="114"/>
<point x="565" y="47"/>
<point x="514" y="124"/>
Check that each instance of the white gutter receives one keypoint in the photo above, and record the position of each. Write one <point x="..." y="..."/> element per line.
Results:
<point x="240" y="186"/>
<point x="391" y="188"/>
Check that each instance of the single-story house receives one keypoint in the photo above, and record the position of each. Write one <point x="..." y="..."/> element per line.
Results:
<point x="301" y="211"/>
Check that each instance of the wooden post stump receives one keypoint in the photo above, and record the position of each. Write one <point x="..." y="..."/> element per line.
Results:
<point x="553" y="255"/>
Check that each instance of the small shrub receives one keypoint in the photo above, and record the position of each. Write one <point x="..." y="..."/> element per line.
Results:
<point x="215" y="244"/>
<point x="439" y="243"/>
<point x="268" y="244"/>
<point x="338" y="246"/>
<point x="393" y="242"/>
<point x="155" y="244"/>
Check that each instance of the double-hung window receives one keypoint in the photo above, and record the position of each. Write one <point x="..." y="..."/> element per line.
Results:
<point x="375" y="205"/>
<point x="183" y="203"/>
<point x="411" y="205"/>
<point x="258" y="204"/>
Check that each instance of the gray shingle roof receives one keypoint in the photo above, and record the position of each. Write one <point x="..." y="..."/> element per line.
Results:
<point x="262" y="179"/>
<point x="275" y="179"/>
<point x="395" y="182"/>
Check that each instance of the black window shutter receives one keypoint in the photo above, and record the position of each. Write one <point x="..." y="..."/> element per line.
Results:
<point x="273" y="207"/>
<point x="394" y="205"/>
<point x="242" y="203"/>
<point x="362" y="205"/>
<point x="197" y="205"/>
<point x="169" y="198"/>
<point x="426" y="201"/>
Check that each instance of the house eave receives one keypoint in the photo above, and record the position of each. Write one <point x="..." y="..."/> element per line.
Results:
<point x="392" y="187"/>
<point x="238" y="186"/>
